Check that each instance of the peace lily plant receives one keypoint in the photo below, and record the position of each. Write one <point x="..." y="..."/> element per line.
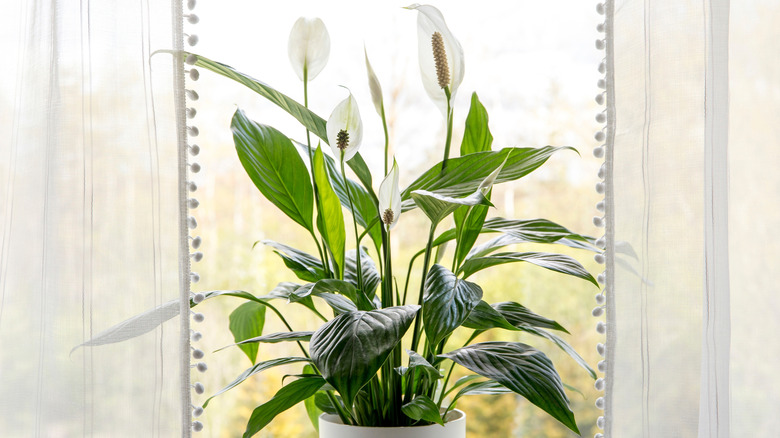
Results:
<point x="385" y="358"/>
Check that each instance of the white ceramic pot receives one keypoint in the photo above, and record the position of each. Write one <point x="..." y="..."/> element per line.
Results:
<point x="454" y="427"/>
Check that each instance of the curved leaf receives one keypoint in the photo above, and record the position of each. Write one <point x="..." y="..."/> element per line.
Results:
<point x="257" y="368"/>
<point x="274" y="166"/>
<point x="463" y="175"/>
<point x="371" y="278"/>
<point x="418" y="362"/>
<point x="273" y="338"/>
<point x="554" y="262"/>
<point x="487" y="387"/>
<point x="332" y="219"/>
<point x="447" y="303"/>
<point x="519" y="315"/>
<point x="423" y="408"/>
<point x="287" y="397"/>
<point x="476" y="135"/>
<point x="522" y="369"/>
<point x="247" y="321"/>
<point x="351" y="348"/>
<point x="304" y="266"/>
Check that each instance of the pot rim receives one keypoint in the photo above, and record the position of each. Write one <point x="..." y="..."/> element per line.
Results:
<point x="453" y="417"/>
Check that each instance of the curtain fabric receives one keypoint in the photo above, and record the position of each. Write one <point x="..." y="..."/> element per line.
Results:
<point x="90" y="191"/>
<point x="692" y="194"/>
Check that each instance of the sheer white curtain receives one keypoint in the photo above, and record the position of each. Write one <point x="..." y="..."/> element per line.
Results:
<point x="693" y="198"/>
<point x="90" y="219"/>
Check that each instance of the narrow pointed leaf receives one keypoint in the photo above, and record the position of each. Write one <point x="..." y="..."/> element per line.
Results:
<point x="333" y="231"/>
<point x="257" y="368"/>
<point x="339" y="303"/>
<point x="464" y="174"/>
<point x="423" y="408"/>
<point x="417" y="362"/>
<point x="487" y="387"/>
<point x="310" y="403"/>
<point x="437" y="206"/>
<point x="563" y="345"/>
<point x="554" y="262"/>
<point x="468" y="224"/>
<point x="274" y="166"/>
<point x="344" y="288"/>
<point x="485" y="317"/>
<point x="522" y="369"/>
<point x="476" y="135"/>
<point x="287" y="397"/>
<point x="304" y="266"/>
<point x="519" y="315"/>
<point x="247" y="321"/>
<point x="274" y="338"/>
<point x="447" y="303"/>
<point x="351" y="348"/>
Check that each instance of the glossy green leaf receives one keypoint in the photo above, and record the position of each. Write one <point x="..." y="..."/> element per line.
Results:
<point x="307" y="118"/>
<point x="519" y="315"/>
<point x="417" y="362"/>
<point x="468" y="225"/>
<point x="344" y="288"/>
<point x="247" y="321"/>
<point x="351" y="348"/>
<point x="304" y="266"/>
<point x="554" y="262"/>
<point x="275" y="167"/>
<point x="275" y="338"/>
<point x="487" y="387"/>
<point x="339" y="303"/>
<point x="563" y="345"/>
<point x="463" y="175"/>
<point x="287" y="397"/>
<point x="522" y="369"/>
<point x="310" y="403"/>
<point x="371" y="278"/>
<point x="257" y="368"/>
<point x="447" y="303"/>
<point x="437" y="206"/>
<point x="423" y="408"/>
<point x="333" y="231"/>
<point x="485" y="317"/>
<point x="324" y="404"/>
<point x="476" y="135"/>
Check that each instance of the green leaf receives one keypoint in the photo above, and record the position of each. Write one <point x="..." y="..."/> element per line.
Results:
<point x="437" y="206"/>
<point x="554" y="262"/>
<point x="447" y="303"/>
<point x="463" y="175"/>
<point x="371" y="278"/>
<point x="332" y="286"/>
<point x="485" y="317"/>
<point x="563" y="345"/>
<point x="324" y="404"/>
<point x="519" y="315"/>
<point x="257" y="368"/>
<point x="287" y="397"/>
<point x="275" y="167"/>
<point x="522" y="369"/>
<point x="487" y="387"/>
<point x="274" y="338"/>
<point x="532" y="231"/>
<point x="476" y="135"/>
<point x="423" y="408"/>
<point x="468" y="225"/>
<point x="304" y="266"/>
<point x="418" y="362"/>
<point x="351" y="348"/>
<point x="247" y="321"/>
<point x="307" y="118"/>
<point x="310" y="403"/>
<point x="332" y="230"/>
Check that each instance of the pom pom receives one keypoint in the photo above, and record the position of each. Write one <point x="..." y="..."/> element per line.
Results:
<point x="191" y="186"/>
<point x="600" y="8"/>
<point x="199" y="388"/>
<point x="191" y="112"/>
<point x="602" y="84"/>
<point x="192" y="223"/>
<point x="196" y="336"/>
<point x="600" y="384"/>
<point x="196" y="242"/>
<point x="600" y="207"/>
<point x="598" y="221"/>
<point x="600" y="402"/>
<point x="195" y="167"/>
<point x="197" y="426"/>
<point x="601" y="349"/>
<point x="600" y="44"/>
<point x="602" y="365"/>
<point x="192" y="18"/>
<point x="190" y="4"/>
<point x="192" y="40"/>
<point x="193" y="203"/>
<point x="600" y="188"/>
<point x="602" y="170"/>
<point x="600" y="99"/>
<point x="194" y="74"/>
<point x="598" y="151"/>
<point x="193" y="95"/>
<point x="601" y="327"/>
<point x="600" y="28"/>
<point x="202" y="367"/>
<point x="602" y="241"/>
<point x="191" y="59"/>
<point x="600" y="136"/>
<point x="197" y="256"/>
<point x="601" y="278"/>
<point x="600" y="298"/>
<point x="597" y="311"/>
<point x="601" y="117"/>
<point x="197" y="412"/>
<point x="198" y="298"/>
<point x="600" y="258"/>
<point x="199" y="317"/>
<point x="194" y="150"/>
<point x="600" y="423"/>
<point x="193" y="131"/>
<point x="194" y="277"/>
<point x="197" y="354"/>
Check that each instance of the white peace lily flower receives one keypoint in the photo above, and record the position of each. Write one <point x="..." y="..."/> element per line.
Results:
<point x="441" y="56"/>
<point x="374" y="86"/>
<point x="345" y="129"/>
<point x="390" y="198"/>
<point x="308" y="47"/>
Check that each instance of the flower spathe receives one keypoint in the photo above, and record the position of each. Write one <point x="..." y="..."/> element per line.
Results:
<point x="308" y="47"/>
<point x="434" y="37"/>
<point x="345" y="129"/>
<point x="374" y="85"/>
<point x="390" y="198"/>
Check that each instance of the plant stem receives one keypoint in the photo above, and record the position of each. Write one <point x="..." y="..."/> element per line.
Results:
<point x="387" y="137"/>
<point x="358" y="261"/>
<point x="444" y="392"/>
<point x="417" y="321"/>
<point x="409" y="274"/>
<point x="449" y="128"/>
